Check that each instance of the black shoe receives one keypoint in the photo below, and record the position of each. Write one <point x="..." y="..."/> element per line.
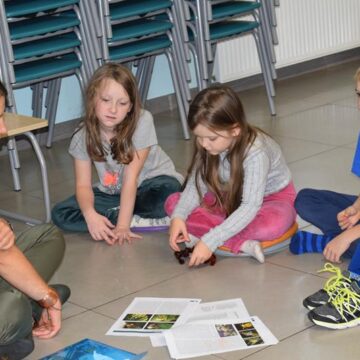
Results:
<point x="64" y="293"/>
<point x="342" y="312"/>
<point x="332" y="287"/>
<point x="17" y="350"/>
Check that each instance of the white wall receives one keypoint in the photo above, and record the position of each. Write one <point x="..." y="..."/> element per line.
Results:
<point x="307" y="29"/>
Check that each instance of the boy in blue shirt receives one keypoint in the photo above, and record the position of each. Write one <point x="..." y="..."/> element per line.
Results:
<point x="337" y="215"/>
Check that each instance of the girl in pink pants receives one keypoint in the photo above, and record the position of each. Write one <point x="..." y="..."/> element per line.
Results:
<point x="238" y="191"/>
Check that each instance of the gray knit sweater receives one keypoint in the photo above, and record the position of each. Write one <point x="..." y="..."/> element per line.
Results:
<point x="265" y="173"/>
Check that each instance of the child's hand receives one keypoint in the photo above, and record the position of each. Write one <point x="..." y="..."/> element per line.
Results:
<point x="200" y="254"/>
<point x="348" y="217"/>
<point x="335" y="248"/>
<point x="100" y="228"/>
<point x="177" y="233"/>
<point x="123" y="233"/>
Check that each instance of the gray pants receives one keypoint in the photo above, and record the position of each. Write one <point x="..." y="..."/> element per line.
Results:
<point x="44" y="247"/>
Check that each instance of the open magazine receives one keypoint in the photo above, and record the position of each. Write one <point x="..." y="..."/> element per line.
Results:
<point x="147" y="315"/>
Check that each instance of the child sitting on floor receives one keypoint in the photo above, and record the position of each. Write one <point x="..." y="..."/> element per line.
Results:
<point x="238" y="190"/>
<point x="337" y="216"/>
<point x="119" y="138"/>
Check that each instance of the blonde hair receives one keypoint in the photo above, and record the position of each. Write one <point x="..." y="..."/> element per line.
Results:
<point x="219" y="108"/>
<point x="122" y="148"/>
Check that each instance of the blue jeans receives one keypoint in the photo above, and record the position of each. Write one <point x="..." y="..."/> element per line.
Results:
<point x="149" y="203"/>
<point x="320" y="208"/>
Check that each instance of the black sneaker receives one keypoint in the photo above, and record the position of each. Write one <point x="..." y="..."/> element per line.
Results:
<point x="331" y="288"/>
<point x="342" y="312"/>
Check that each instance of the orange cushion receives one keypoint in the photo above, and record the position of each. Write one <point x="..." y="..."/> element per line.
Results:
<point x="269" y="243"/>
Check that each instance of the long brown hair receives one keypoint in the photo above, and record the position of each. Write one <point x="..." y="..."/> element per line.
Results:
<point x="3" y="92"/>
<point x="122" y="148"/>
<point x="219" y="109"/>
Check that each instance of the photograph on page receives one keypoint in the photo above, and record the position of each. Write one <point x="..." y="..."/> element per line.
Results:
<point x="145" y="316"/>
<point x="213" y="337"/>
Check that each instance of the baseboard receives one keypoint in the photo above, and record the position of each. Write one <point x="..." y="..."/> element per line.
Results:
<point x="168" y="102"/>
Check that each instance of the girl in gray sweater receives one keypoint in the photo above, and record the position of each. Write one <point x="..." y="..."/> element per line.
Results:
<point x="238" y="191"/>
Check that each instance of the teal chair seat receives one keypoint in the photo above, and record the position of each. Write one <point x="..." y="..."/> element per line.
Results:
<point x="233" y="8"/>
<point x="17" y="8"/>
<point x="225" y="29"/>
<point x="37" y="70"/>
<point x="126" y="9"/>
<point x="41" y="25"/>
<point x="46" y="46"/>
<point x="139" y="28"/>
<point x="139" y="48"/>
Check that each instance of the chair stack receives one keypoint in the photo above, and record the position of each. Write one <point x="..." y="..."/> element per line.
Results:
<point x="43" y="41"/>
<point x="208" y="22"/>
<point x="134" y="32"/>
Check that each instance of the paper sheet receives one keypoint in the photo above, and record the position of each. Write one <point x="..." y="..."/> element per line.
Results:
<point x="146" y="315"/>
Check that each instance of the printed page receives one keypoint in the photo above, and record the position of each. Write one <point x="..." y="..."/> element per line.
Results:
<point x="219" y="310"/>
<point x="213" y="337"/>
<point x="146" y="315"/>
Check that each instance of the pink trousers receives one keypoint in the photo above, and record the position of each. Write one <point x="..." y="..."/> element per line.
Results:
<point x="276" y="215"/>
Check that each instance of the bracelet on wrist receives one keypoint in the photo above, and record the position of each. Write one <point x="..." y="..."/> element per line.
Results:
<point x="50" y="299"/>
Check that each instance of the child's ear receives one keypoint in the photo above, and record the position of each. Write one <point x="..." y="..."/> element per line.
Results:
<point x="236" y="131"/>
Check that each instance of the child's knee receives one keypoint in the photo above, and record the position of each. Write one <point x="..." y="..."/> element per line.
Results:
<point x="171" y="202"/>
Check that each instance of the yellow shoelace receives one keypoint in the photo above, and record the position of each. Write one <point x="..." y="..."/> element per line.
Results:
<point x="335" y="283"/>
<point x="347" y="301"/>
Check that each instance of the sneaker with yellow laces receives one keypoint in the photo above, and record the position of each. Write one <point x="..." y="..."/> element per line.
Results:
<point x="331" y="288"/>
<point x="342" y="312"/>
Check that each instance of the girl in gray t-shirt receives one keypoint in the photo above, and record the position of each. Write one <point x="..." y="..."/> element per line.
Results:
<point x="118" y="138"/>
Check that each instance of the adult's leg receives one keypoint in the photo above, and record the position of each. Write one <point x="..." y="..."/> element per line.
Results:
<point x="15" y="325"/>
<point x="67" y="214"/>
<point x="152" y="194"/>
<point x="44" y="246"/>
<point x="320" y="208"/>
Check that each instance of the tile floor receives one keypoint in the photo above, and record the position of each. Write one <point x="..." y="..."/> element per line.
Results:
<point x="317" y="126"/>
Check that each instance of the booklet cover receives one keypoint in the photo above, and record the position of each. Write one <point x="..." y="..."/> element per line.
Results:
<point x="88" y="349"/>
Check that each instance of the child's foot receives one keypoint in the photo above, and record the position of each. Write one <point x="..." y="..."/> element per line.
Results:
<point x="306" y="242"/>
<point x="149" y="224"/>
<point x="332" y="287"/>
<point x="254" y="249"/>
<point x="342" y="312"/>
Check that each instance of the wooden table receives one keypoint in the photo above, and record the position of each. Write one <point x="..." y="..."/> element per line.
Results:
<point x="24" y="125"/>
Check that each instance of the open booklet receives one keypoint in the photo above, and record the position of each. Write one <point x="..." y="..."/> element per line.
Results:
<point x="147" y="315"/>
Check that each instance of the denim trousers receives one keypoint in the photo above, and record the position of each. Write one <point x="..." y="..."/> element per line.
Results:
<point x="320" y="208"/>
<point x="149" y="203"/>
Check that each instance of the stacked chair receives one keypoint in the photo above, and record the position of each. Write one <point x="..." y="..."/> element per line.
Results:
<point x="208" y="22"/>
<point x="134" y="32"/>
<point x="43" y="41"/>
